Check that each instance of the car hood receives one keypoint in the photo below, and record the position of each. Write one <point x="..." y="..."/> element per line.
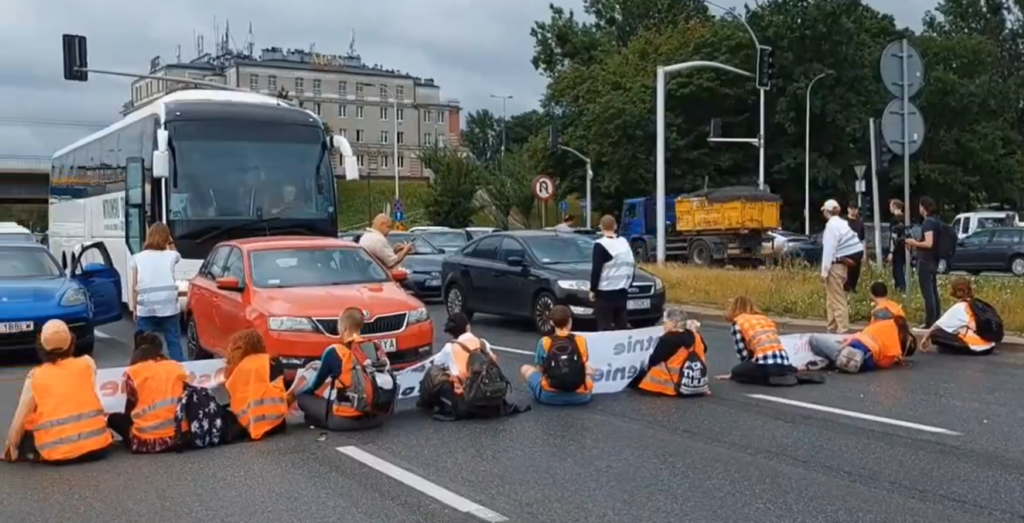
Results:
<point x="327" y="301"/>
<point x="423" y="262"/>
<point x="581" y="271"/>
<point x="33" y="290"/>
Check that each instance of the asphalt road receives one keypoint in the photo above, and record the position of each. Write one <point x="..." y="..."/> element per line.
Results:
<point x="933" y="443"/>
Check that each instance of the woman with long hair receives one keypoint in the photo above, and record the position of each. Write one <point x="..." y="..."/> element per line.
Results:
<point x="154" y="289"/>
<point x="255" y="384"/>
<point x="956" y="332"/>
<point x="763" y="358"/>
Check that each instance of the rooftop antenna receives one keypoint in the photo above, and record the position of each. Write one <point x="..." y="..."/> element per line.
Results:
<point x="352" y="43"/>
<point x="216" y="34"/>
<point x="200" y="46"/>
<point x="312" y="48"/>
<point x="195" y="43"/>
<point x="250" y="42"/>
<point x="177" y="53"/>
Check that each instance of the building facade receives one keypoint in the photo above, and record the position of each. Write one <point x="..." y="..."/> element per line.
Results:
<point x="375" y="108"/>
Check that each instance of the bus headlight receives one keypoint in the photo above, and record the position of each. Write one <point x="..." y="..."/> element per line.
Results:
<point x="74" y="297"/>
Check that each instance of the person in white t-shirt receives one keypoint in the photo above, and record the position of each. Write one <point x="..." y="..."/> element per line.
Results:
<point x="154" y="290"/>
<point x="956" y="332"/>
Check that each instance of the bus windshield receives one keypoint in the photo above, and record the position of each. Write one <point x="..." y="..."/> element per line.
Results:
<point x="249" y="169"/>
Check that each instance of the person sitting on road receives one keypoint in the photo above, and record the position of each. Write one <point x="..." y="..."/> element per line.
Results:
<point x="153" y="386"/>
<point x="348" y="392"/>
<point x="763" y="358"/>
<point x="677" y="365"/>
<point x="59" y="418"/>
<point x="956" y="332"/>
<point x="255" y="384"/>
<point x="561" y="373"/>
<point x="884" y="309"/>
<point x="881" y="345"/>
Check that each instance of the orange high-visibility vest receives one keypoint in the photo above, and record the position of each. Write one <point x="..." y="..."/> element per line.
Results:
<point x="351" y="355"/>
<point x="882" y="338"/>
<point x="259" y="404"/>
<point x="886" y="310"/>
<point x="760" y="335"/>
<point x="662" y="378"/>
<point x="588" y="384"/>
<point x="969" y="333"/>
<point x="68" y="421"/>
<point x="160" y="385"/>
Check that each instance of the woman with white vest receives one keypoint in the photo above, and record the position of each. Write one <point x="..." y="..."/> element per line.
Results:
<point x="154" y="290"/>
<point x="611" y="275"/>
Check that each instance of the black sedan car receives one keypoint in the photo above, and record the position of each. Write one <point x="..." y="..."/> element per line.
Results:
<point x="526" y="273"/>
<point x="990" y="250"/>
<point x="423" y="264"/>
<point x="448" y="240"/>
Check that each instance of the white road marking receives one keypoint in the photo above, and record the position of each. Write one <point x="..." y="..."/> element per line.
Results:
<point x="857" y="415"/>
<point x="101" y="335"/>
<point x="425" y="486"/>
<point x="513" y="351"/>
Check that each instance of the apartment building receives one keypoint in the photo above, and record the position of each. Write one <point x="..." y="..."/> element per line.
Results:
<point x="375" y="108"/>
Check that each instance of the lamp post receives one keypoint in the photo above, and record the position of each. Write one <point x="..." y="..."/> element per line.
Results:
<point x="807" y="156"/>
<point x="590" y="176"/>
<point x="660" y="177"/>
<point x="504" y="118"/>
<point x="394" y="137"/>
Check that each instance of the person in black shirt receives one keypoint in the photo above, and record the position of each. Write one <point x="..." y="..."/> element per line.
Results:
<point x="857" y="226"/>
<point x="680" y="333"/>
<point x="897" y="246"/>
<point x="928" y="260"/>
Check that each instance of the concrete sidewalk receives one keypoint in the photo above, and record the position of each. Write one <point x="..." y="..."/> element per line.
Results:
<point x="714" y="317"/>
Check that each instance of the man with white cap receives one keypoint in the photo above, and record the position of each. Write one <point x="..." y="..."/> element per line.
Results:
<point x="840" y="249"/>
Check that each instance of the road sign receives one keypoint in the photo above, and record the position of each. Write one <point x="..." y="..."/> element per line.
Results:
<point x="859" y="169"/>
<point x="583" y="203"/>
<point x="892" y="127"/>
<point x="862" y="186"/>
<point x="398" y="206"/>
<point x="399" y="216"/>
<point x="543" y="188"/>
<point x="891" y="67"/>
<point x="563" y="206"/>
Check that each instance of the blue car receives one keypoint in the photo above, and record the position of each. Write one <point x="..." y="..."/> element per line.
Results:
<point x="35" y="289"/>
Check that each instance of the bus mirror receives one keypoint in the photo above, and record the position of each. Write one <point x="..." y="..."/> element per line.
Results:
<point x="161" y="139"/>
<point x="161" y="165"/>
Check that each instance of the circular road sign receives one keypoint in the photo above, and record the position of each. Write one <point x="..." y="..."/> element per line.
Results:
<point x="543" y="188"/>
<point x="892" y="128"/>
<point x="891" y="67"/>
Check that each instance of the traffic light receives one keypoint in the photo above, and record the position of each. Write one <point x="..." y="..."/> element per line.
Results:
<point x="554" y="137"/>
<point x="76" y="58"/>
<point x="884" y="152"/>
<point x="765" y="67"/>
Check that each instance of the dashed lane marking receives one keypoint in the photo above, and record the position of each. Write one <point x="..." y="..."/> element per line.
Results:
<point x="101" y="335"/>
<point x="856" y="415"/>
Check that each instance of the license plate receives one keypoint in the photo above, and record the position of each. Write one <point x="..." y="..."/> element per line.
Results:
<point x="388" y="344"/>
<point x="16" y="326"/>
<point x="432" y="283"/>
<point x="633" y="305"/>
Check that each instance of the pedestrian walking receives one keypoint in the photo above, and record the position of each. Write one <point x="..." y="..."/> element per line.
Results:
<point x="840" y="250"/>
<point x="857" y="226"/>
<point x="612" y="271"/>
<point x="928" y="259"/>
<point x="154" y="290"/>
<point x="897" y="257"/>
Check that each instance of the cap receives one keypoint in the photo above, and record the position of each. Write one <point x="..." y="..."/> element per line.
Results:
<point x="831" y="205"/>
<point x="55" y="336"/>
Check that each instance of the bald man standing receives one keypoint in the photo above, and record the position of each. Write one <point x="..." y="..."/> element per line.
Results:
<point x="375" y="242"/>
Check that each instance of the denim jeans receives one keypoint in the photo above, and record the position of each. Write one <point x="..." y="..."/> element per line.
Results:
<point x="927" y="278"/>
<point x="169" y="327"/>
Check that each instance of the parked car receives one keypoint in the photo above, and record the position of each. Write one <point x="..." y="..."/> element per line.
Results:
<point x="996" y="249"/>
<point x="11" y="231"/>
<point x="35" y="289"/>
<point x="423" y="264"/>
<point x="782" y="243"/>
<point x="526" y="273"/>
<point x="448" y="240"/>
<point x="476" y="232"/>
<point x="291" y="289"/>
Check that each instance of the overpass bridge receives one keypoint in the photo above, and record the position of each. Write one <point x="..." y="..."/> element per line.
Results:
<point x="24" y="179"/>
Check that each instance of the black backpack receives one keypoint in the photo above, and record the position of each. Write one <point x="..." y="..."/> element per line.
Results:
<point x="988" y="325"/>
<point x="485" y="385"/>
<point x="945" y="241"/>
<point x="201" y="413"/>
<point x="564" y="367"/>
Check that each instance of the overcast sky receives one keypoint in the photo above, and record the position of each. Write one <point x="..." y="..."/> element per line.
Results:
<point x="472" y="48"/>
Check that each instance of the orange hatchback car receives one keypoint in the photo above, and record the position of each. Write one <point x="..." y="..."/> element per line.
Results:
<point x="291" y="289"/>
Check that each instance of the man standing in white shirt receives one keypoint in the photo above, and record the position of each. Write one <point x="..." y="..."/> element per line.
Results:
<point x="375" y="242"/>
<point x="840" y="245"/>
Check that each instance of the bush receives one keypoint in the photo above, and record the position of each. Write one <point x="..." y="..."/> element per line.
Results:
<point x="798" y="292"/>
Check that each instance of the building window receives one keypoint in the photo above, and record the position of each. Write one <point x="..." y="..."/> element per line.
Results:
<point x="440" y="117"/>
<point x="344" y="133"/>
<point x="272" y="83"/>
<point x="385" y="162"/>
<point x="400" y="92"/>
<point x="427" y="139"/>
<point x="384" y="113"/>
<point x="316" y="108"/>
<point x="254" y="82"/>
<point x="427" y="116"/>
<point x="359" y="90"/>
<point x="342" y="111"/>
<point x="300" y="86"/>
<point x="401" y="137"/>
<point x="383" y="92"/>
<point x="317" y="91"/>
<point x="359" y="112"/>
<point x="359" y="136"/>
<point x="441" y="141"/>
<point x="384" y="137"/>
<point x="361" y="160"/>
<point x="343" y="88"/>
<point x="401" y="161"/>
<point x="400" y="115"/>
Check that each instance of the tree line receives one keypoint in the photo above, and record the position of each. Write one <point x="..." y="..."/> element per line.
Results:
<point x="600" y="96"/>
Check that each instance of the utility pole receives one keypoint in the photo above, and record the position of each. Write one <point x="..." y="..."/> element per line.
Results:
<point x="807" y="156"/>
<point x="394" y="137"/>
<point x="504" y="118"/>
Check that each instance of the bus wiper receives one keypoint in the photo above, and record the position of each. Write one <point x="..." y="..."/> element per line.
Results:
<point x="227" y="228"/>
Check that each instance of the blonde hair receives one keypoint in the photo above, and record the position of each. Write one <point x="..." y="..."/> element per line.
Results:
<point x="351" y="320"/>
<point x="741" y="305"/>
<point x="241" y="345"/>
<point x="158" y="237"/>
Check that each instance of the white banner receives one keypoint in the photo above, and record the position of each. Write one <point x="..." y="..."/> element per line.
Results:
<point x="110" y="382"/>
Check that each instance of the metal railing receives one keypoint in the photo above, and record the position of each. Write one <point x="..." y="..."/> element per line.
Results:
<point x="11" y="162"/>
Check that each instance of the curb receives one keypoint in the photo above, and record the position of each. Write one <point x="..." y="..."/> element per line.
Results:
<point x="711" y="316"/>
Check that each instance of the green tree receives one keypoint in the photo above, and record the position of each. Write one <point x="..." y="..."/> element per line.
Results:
<point x="452" y="200"/>
<point x="482" y="136"/>
<point x="508" y="183"/>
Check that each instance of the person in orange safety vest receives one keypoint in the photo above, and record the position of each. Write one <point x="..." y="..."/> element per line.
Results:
<point x="884" y="309"/>
<point x="763" y="357"/>
<point x="154" y="385"/>
<point x="881" y="345"/>
<point x="255" y="383"/>
<point x="956" y="332"/>
<point x="60" y="417"/>
<point x="677" y="366"/>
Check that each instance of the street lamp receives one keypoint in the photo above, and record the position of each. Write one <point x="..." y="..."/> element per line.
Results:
<point x="504" y="118"/>
<point x="590" y="176"/>
<point x="394" y="138"/>
<point x="807" y="156"/>
<point x="662" y="71"/>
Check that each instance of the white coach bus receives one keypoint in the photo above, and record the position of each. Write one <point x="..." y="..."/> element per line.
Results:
<point x="213" y="165"/>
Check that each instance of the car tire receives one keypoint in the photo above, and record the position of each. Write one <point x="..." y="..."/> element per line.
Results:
<point x="455" y="302"/>
<point x="539" y="313"/>
<point x="194" y="350"/>
<point x="1017" y="265"/>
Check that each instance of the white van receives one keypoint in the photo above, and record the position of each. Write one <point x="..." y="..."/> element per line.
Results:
<point x="969" y="222"/>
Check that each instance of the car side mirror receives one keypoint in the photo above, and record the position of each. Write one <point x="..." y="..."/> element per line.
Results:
<point x="515" y="261"/>
<point x="399" y="275"/>
<point x="93" y="269"/>
<point x="229" y="284"/>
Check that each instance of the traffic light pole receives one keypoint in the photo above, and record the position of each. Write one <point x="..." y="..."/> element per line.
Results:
<point x="760" y="147"/>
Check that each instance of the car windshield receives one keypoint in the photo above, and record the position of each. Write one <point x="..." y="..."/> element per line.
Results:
<point x="22" y="262"/>
<point x="988" y="222"/>
<point x="559" y="249"/>
<point x="445" y="239"/>
<point x="420" y="244"/>
<point x="314" y="268"/>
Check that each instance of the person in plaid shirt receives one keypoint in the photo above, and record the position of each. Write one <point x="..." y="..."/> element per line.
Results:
<point x="763" y="358"/>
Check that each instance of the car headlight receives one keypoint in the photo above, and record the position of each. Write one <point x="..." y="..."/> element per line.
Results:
<point x="574" y="285"/>
<point x="73" y="297"/>
<point x="419" y="315"/>
<point x="658" y="284"/>
<point x="290" y="324"/>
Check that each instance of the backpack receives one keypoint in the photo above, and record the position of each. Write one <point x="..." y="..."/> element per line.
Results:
<point x="945" y="241"/>
<point x="988" y="325"/>
<point x="198" y="420"/>
<point x="693" y="376"/>
<point x="362" y="391"/>
<point x="564" y="367"/>
<point x="485" y="384"/>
